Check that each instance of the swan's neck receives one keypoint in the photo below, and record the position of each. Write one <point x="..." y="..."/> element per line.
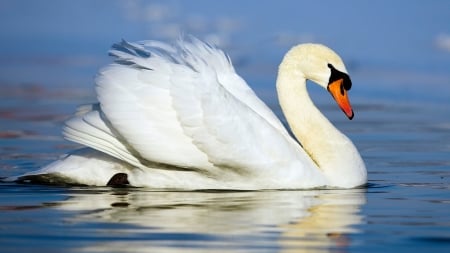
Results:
<point x="333" y="153"/>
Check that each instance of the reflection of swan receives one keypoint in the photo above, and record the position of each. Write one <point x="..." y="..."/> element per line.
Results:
<point x="180" y="117"/>
<point x="327" y="226"/>
<point x="289" y="220"/>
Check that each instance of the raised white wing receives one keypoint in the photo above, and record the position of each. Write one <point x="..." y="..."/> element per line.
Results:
<point x="134" y="94"/>
<point x="183" y="106"/>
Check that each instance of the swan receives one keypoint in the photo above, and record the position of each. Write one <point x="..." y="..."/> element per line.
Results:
<point x="179" y="117"/>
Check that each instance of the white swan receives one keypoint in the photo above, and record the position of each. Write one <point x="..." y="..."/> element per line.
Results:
<point x="179" y="117"/>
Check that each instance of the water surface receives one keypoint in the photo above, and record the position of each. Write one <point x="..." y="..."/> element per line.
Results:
<point x="404" y="208"/>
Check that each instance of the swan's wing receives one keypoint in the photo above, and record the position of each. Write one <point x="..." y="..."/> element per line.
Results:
<point x="227" y="78"/>
<point x="185" y="106"/>
<point x="232" y="134"/>
<point x="90" y="128"/>
<point x="134" y="94"/>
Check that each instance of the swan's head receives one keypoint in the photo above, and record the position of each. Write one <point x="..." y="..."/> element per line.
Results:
<point x="323" y="66"/>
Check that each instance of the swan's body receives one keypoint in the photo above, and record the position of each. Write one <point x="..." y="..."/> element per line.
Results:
<point x="181" y="118"/>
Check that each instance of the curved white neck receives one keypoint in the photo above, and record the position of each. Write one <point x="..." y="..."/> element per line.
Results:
<point x="334" y="154"/>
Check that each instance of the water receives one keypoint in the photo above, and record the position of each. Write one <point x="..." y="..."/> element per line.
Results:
<point x="404" y="208"/>
<point x="398" y="57"/>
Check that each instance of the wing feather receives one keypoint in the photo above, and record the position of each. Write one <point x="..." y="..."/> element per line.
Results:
<point x="88" y="128"/>
<point x="136" y="100"/>
<point x="232" y="134"/>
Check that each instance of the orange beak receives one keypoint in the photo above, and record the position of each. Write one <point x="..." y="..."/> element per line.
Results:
<point x="339" y="94"/>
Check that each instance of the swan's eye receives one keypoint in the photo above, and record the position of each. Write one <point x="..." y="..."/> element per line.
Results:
<point x="336" y="75"/>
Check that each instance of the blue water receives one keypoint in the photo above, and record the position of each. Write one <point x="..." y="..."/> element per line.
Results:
<point x="398" y="59"/>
